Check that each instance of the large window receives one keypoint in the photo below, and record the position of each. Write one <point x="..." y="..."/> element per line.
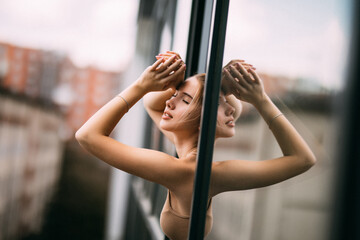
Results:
<point x="300" y="49"/>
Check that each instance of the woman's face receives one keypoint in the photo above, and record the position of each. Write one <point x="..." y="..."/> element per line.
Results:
<point x="225" y="126"/>
<point x="177" y="115"/>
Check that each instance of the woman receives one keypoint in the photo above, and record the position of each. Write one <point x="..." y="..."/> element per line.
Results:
<point x="175" y="106"/>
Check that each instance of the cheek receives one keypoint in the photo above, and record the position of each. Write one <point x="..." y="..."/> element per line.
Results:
<point x="192" y="114"/>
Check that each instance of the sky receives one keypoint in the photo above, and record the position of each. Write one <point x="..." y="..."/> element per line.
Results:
<point x="304" y="38"/>
<point x="298" y="39"/>
<point x="97" y="32"/>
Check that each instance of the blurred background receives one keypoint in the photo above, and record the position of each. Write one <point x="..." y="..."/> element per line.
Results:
<point x="61" y="60"/>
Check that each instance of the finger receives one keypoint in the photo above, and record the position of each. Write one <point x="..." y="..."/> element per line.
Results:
<point x="244" y="73"/>
<point x="236" y="74"/>
<point x="165" y="57"/>
<point x="173" y="67"/>
<point x="175" y="75"/>
<point x="256" y="76"/>
<point x="228" y="75"/>
<point x="246" y="66"/>
<point x="168" y="55"/>
<point x="231" y="81"/>
<point x="170" y="60"/>
<point x="232" y="62"/>
<point x="240" y="91"/>
<point x="166" y="64"/>
<point x="158" y="57"/>
<point x="156" y="64"/>
<point x="242" y="82"/>
<point x="171" y="52"/>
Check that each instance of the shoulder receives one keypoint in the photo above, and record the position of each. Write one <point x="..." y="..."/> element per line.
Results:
<point x="179" y="174"/>
<point x="227" y="175"/>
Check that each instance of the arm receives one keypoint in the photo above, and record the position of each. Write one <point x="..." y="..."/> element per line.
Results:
<point x="154" y="102"/>
<point x="94" y="134"/>
<point x="297" y="156"/>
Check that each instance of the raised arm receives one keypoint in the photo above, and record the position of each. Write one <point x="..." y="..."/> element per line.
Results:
<point x="297" y="156"/>
<point x="154" y="102"/>
<point x="94" y="134"/>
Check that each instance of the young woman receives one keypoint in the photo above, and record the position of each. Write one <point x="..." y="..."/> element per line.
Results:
<point x="175" y="106"/>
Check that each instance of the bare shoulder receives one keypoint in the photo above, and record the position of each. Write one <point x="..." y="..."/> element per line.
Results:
<point x="180" y="174"/>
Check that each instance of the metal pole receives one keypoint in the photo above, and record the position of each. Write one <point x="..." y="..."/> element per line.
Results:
<point x="346" y="219"/>
<point x="208" y="122"/>
<point x="194" y="39"/>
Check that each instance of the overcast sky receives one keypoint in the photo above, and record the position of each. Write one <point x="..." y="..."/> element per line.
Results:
<point x="99" y="32"/>
<point x="302" y="38"/>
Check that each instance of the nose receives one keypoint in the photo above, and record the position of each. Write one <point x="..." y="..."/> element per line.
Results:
<point x="170" y="104"/>
<point x="230" y="110"/>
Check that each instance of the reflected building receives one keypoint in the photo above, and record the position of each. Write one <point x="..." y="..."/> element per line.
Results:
<point x="34" y="126"/>
<point x="30" y="146"/>
<point x="92" y="88"/>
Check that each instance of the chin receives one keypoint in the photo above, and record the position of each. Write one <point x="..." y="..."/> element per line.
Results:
<point x="225" y="134"/>
<point x="163" y="125"/>
<point x="229" y="135"/>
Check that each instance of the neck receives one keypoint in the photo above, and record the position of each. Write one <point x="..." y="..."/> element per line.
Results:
<point x="186" y="145"/>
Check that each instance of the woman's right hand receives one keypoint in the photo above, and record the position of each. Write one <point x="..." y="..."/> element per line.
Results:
<point x="162" y="75"/>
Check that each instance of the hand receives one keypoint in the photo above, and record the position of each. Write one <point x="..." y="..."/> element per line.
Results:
<point x="226" y="83"/>
<point x="242" y="81"/>
<point x="162" y="75"/>
<point x="166" y="56"/>
<point x="234" y="61"/>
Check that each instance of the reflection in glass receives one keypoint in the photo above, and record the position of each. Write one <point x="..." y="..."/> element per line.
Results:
<point x="299" y="49"/>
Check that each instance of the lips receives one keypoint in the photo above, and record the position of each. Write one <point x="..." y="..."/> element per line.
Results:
<point x="230" y="123"/>
<point x="167" y="115"/>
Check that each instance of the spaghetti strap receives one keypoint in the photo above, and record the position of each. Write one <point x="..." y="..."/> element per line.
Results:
<point x="176" y="225"/>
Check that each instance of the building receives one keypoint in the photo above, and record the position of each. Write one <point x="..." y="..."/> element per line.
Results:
<point x="44" y="99"/>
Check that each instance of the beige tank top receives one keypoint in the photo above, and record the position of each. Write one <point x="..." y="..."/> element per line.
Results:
<point x="175" y="225"/>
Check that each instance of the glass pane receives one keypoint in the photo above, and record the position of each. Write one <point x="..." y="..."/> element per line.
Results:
<point x="299" y="49"/>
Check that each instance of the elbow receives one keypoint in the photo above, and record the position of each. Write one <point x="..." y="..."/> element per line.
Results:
<point x="309" y="161"/>
<point x="81" y="137"/>
<point x="78" y="135"/>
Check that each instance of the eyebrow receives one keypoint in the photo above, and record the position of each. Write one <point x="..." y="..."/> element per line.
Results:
<point x="185" y="93"/>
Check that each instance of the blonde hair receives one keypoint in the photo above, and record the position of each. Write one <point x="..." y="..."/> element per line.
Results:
<point x="192" y="114"/>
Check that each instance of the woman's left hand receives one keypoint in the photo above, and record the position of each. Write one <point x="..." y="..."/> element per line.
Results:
<point x="243" y="83"/>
